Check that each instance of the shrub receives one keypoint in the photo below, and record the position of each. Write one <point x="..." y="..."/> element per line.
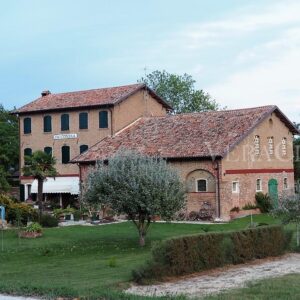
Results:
<point x="33" y="227"/>
<point x="263" y="202"/>
<point x="77" y="215"/>
<point x="48" y="221"/>
<point x="249" y="206"/>
<point x="17" y="213"/>
<point x="235" y="209"/>
<point x="188" y="254"/>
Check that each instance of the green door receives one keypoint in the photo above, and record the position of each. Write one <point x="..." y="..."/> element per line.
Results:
<point x="273" y="192"/>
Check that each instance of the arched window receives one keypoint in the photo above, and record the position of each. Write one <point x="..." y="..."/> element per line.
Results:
<point x="47" y="124"/>
<point x="27" y="125"/>
<point x="65" y="154"/>
<point x="271" y="145"/>
<point x="48" y="150"/>
<point x="258" y="185"/>
<point x="83" y="148"/>
<point x="257" y="145"/>
<point x="103" y="119"/>
<point x="201" y="185"/>
<point x="64" y="122"/>
<point x="283" y="146"/>
<point x="27" y="152"/>
<point x="83" y="120"/>
<point x="285" y="183"/>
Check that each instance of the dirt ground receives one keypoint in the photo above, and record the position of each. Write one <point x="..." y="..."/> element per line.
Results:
<point x="215" y="281"/>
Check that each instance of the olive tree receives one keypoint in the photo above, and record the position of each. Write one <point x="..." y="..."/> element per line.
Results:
<point x="141" y="187"/>
<point x="289" y="212"/>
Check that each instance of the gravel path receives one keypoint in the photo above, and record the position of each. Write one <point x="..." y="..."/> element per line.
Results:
<point x="222" y="279"/>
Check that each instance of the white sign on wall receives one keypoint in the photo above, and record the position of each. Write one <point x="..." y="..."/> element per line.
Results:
<point x="65" y="136"/>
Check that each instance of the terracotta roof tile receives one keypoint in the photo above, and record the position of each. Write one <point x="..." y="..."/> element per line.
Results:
<point x="96" y="97"/>
<point x="203" y="134"/>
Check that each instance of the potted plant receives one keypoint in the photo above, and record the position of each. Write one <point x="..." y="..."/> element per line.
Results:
<point x="32" y="230"/>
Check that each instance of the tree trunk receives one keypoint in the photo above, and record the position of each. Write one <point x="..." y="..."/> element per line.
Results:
<point x="40" y="196"/>
<point x="142" y="238"/>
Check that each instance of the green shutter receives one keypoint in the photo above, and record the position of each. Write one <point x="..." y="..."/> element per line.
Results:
<point x="65" y="154"/>
<point x="47" y="124"/>
<point x="83" y="120"/>
<point x="103" y="119"/>
<point x="48" y="150"/>
<point x="83" y="148"/>
<point x="64" y="122"/>
<point x="27" y="125"/>
<point x="22" y="192"/>
<point x="27" y="152"/>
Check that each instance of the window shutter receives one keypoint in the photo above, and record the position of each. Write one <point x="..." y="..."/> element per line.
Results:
<point x="64" y="122"/>
<point x="83" y="148"/>
<point x="48" y="150"/>
<point x="65" y="154"/>
<point x="103" y="119"/>
<point x="27" y="152"/>
<point x="47" y="124"/>
<point x="83" y="120"/>
<point x="27" y="125"/>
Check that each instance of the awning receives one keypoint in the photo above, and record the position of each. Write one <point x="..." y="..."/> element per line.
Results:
<point x="58" y="185"/>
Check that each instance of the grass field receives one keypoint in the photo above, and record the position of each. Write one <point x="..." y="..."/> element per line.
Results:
<point x="90" y="262"/>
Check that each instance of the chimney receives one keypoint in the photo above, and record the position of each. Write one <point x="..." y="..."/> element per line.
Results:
<point x="45" y="93"/>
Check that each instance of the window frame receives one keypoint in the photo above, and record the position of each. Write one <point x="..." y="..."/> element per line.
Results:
<point x="237" y="191"/>
<point x="62" y="122"/>
<point x="24" y="154"/>
<point x="100" y="119"/>
<point x="25" y="126"/>
<point x="271" y="145"/>
<point x="284" y="146"/>
<point x="197" y="187"/>
<point x="257" y="145"/>
<point x="62" y="154"/>
<point x="285" y="183"/>
<point x="260" y="185"/>
<point x="81" y="114"/>
<point x="45" y="118"/>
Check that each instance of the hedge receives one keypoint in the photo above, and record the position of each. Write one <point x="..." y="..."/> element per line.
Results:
<point x="188" y="254"/>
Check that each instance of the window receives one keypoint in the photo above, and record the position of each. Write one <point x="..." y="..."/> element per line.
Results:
<point x="103" y="119"/>
<point x="271" y="145"/>
<point x="257" y="145"/>
<point x="47" y="124"/>
<point x="65" y="154"/>
<point x="283" y="146"/>
<point x="27" y="125"/>
<point x="48" y="150"/>
<point x="235" y="187"/>
<point x="201" y="185"/>
<point x="258" y="185"/>
<point x="285" y="183"/>
<point x="83" y="148"/>
<point x="64" y="122"/>
<point x="27" y="152"/>
<point x="83" y="120"/>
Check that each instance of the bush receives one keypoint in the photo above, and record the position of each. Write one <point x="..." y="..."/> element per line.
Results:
<point x="77" y="215"/>
<point x="263" y="202"/>
<point x="17" y="213"/>
<point x="33" y="227"/>
<point x="48" y="221"/>
<point x="188" y="254"/>
<point x="249" y="206"/>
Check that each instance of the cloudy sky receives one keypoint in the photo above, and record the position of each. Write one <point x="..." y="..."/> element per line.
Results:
<point x="244" y="53"/>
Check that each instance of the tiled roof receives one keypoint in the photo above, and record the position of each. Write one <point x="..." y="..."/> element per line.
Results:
<point x="88" y="98"/>
<point x="203" y="134"/>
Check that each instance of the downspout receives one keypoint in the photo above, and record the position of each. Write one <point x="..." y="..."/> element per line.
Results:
<point x="218" y="188"/>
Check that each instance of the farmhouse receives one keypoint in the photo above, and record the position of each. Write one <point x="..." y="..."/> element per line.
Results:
<point x="224" y="157"/>
<point x="67" y="124"/>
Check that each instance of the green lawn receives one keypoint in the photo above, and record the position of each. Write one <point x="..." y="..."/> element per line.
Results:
<point x="281" y="288"/>
<point x="75" y="261"/>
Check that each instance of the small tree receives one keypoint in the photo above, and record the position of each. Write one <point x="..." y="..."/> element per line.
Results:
<point x="139" y="186"/>
<point x="289" y="212"/>
<point x="40" y="165"/>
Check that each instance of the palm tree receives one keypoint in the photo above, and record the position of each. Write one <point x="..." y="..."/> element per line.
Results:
<point x="40" y="165"/>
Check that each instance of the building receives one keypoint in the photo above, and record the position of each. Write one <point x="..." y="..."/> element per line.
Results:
<point x="68" y="124"/>
<point x="224" y="157"/>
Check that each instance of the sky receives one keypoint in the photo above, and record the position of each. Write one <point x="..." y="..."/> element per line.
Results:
<point x="243" y="53"/>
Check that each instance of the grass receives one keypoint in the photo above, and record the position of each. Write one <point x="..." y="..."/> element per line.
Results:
<point x="281" y="288"/>
<point x="91" y="262"/>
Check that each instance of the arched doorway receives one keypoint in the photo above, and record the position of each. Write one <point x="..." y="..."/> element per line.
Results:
<point x="273" y="191"/>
